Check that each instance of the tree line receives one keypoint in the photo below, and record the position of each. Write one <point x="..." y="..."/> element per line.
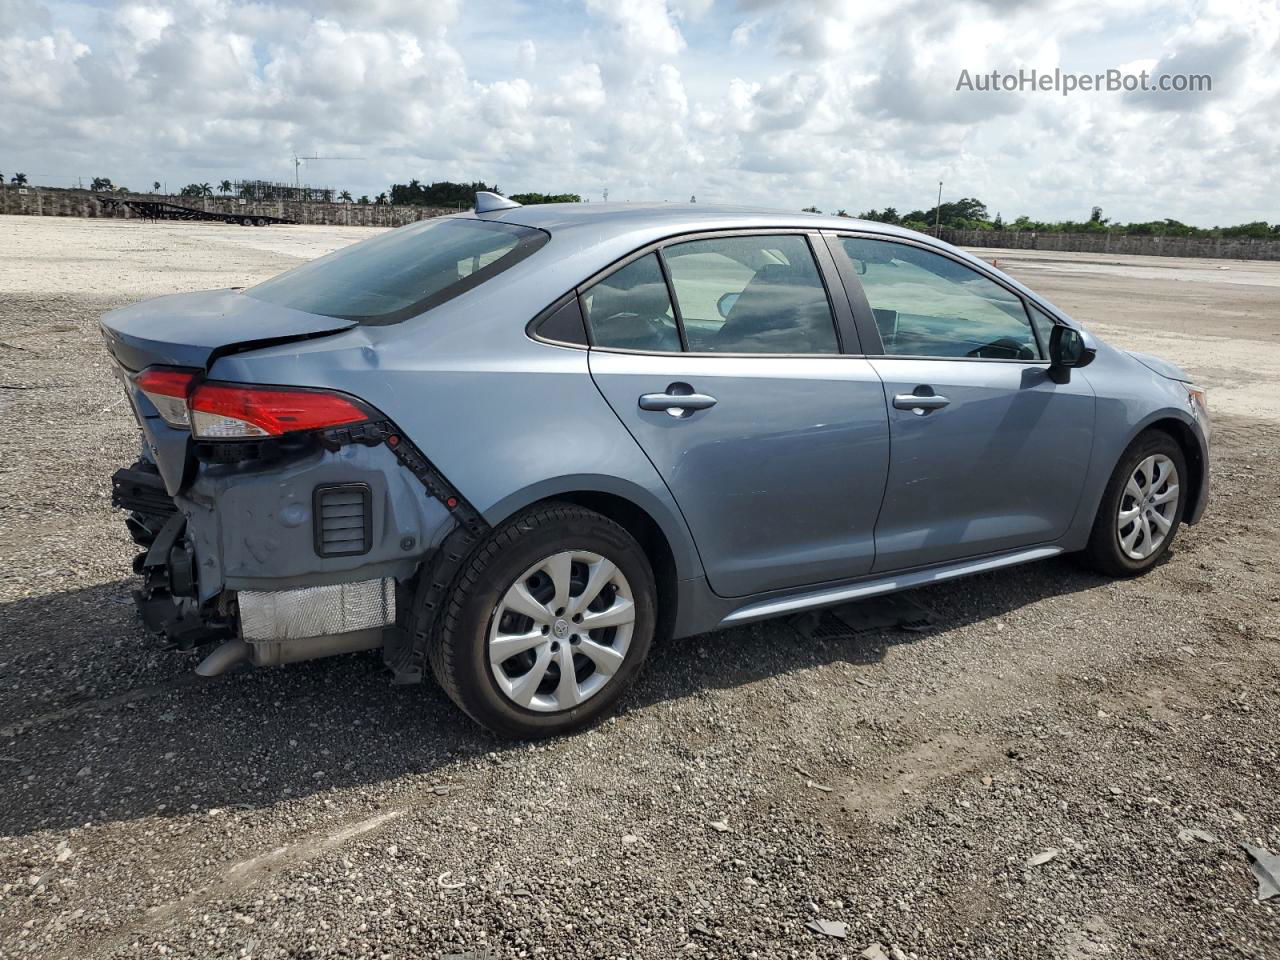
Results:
<point x="446" y="193"/>
<point x="441" y="193"/>
<point x="968" y="213"/>
<point x="971" y="214"/>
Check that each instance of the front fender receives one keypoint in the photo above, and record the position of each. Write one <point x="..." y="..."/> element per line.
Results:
<point x="1131" y="398"/>
<point x="1194" y="437"/>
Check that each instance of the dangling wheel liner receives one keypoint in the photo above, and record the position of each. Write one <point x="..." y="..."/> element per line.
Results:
<point x="405" y="650"/>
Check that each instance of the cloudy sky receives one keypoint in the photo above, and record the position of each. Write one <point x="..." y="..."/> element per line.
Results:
<point x="839" y="104"/>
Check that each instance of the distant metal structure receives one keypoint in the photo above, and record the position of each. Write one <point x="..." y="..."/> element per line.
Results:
<point x="297" y="165"/>
<point x="163" y="210"/>
<point x="265" y="191"/>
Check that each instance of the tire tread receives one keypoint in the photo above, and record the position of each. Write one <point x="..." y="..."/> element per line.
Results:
<point x="442" y="652"/>
<point x="1102" y="553"/>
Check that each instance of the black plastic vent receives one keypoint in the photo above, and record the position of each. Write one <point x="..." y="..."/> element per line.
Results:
<point x="343" y="519"/>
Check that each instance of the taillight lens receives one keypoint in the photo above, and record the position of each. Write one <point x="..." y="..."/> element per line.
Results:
<point x="232" y="411"/>
<point x="167" y="390"/>
<point x="237" y="411"/>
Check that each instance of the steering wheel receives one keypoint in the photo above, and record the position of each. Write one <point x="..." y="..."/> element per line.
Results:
<point x="640" y="332"/>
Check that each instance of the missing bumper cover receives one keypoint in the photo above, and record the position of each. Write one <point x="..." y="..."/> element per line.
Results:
<point x="317" y="611"/>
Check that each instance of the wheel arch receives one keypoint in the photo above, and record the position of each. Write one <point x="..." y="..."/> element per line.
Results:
<point x="652" y="541"/>
<point x="1193" y="453"/>
<point x="654" y="521"/>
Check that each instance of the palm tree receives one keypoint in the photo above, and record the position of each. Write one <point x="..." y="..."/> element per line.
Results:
<point x="380" y="199"/>
<point x="1" y="178"/>
<point x="155" y="187"/>
<point x="224" y="186"/>
<point x="20" y="179"/>
<point x="345" y="196"/>
<point x="206" y="190"/>
<point x="364" y="198"/>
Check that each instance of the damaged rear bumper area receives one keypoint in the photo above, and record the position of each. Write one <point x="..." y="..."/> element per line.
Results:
<point x="310" y="553"/>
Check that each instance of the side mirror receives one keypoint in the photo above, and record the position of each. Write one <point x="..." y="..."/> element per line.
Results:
<point x="725" y="304"/>
<point x="1067" y="350"/>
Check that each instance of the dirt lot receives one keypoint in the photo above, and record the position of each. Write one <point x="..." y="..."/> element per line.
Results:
<point x="756" y="780"/>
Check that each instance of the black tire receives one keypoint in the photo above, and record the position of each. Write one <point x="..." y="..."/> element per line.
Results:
<point x="1104" y="552"/>
<point x="459" y="652"/>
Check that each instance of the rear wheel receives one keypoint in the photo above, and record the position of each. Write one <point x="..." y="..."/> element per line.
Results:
<point x="1141" y="508"/>
<point x="548" y="623"/>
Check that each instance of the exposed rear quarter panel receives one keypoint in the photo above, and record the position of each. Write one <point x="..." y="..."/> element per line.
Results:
<point x="508" y="420"/>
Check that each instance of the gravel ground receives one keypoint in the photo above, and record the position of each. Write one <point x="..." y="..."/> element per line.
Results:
<point x="1017" y="781"/>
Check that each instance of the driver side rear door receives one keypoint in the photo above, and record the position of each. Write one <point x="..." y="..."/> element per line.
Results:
<point x="987" y="452"/>
<point x="731" y="359"/>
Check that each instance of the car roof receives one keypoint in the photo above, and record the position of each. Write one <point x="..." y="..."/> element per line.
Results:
<point x="590" y="236"/>
<point x="600" y="221"/>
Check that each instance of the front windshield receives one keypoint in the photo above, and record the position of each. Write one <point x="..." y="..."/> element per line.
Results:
<point x="403" y="272"/>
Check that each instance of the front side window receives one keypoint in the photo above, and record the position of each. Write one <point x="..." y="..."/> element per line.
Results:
<point x="403" y="272"/>
<point x="751" y="294"/>
<point x="1044" y="325"/>
<point x="928" y="305"/>
<point x="631" y="309"/>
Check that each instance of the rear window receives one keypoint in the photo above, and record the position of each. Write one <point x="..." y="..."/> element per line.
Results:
<point x="403" y="272"/>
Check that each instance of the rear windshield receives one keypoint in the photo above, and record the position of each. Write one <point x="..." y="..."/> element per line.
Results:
<point x="403" y="272"/>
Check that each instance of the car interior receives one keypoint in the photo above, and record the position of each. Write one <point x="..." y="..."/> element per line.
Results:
<point x="735" y="295"/>
<point x="927" y="305"/>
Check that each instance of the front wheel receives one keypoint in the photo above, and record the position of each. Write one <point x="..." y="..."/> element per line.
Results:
<point x="1141" y="508"/>
<point x="548" y="623"/>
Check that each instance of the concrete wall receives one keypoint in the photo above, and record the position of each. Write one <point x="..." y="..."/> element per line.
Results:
<point x="82" y="203"/>
<point x="1231" y="248"/>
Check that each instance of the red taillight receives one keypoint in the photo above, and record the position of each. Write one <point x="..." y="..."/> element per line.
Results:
<point x="237" y="411"/>
<point x="227" y="411"/>
<point x="165" y="383"/>
<point x="167" y="390"/>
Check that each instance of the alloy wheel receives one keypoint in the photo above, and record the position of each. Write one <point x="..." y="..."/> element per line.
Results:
<point x="1148" y="507"/>
<point x="561" y="631"/>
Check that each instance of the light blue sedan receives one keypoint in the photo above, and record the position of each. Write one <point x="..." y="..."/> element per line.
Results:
<point x="513" y="446"/>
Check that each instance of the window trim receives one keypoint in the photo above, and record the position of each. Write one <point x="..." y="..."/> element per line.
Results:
<point x="865" y="319"/>
<point x="676" y="313"/>
<point x="581" y="290"/>
<point x="842" y="315"/>
<point x="533" y="331"/>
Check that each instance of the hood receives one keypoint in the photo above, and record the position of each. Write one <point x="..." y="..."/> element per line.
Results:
<point x="188" y="329"/>
<point x="1162" y="367"/>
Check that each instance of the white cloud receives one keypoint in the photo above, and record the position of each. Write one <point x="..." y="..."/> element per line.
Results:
<point x="638" y="29"/>
<point x="844" y="104"/>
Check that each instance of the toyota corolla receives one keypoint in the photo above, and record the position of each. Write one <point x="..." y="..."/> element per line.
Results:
<point x="511" y="447"/>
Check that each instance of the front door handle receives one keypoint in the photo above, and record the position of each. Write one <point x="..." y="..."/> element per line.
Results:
<point x="920" y="405"/>
<point x="679" y="400"/>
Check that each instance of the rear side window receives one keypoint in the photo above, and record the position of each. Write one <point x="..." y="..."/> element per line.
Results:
<point x="403" y="272"/>
<point x="751" y="294"/>
<point x="631" y="310"/>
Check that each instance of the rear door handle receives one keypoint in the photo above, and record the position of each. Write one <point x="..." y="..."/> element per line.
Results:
<point x="919" y="404"/>
<point x="679" y="400"/>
